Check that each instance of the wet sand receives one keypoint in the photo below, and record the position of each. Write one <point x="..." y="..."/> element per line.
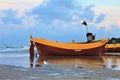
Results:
<point x="58" y="72"/>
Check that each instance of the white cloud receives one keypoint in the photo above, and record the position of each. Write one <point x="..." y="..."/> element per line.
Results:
<point x="75" y="23"/>
<point x="58" y="22"/>
<point x="2" y="14"/>
<point x="27" y="22"/>
<point x="19" y="5"/>
<point x="111" y="16"/>
<point x="118" y="22"/>
<point x="75" y="17"/>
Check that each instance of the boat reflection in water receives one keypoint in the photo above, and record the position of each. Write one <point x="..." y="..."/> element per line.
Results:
<point x="112" y="62"/>
<point x="106" y="61"/>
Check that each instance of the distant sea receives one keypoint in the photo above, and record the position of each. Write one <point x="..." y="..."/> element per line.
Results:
<point x="13" y="48"/>
<point x="17" y="55"/>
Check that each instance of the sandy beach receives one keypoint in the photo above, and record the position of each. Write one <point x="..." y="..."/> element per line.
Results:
<point x="58" y="72"/>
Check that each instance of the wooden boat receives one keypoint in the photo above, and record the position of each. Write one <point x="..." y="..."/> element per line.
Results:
<point x="113" y="47"/>
<point x="53" y="48"/>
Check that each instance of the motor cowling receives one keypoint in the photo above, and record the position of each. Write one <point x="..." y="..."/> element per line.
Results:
<point x="90" y="37"/>
<point x="113" y="40"/>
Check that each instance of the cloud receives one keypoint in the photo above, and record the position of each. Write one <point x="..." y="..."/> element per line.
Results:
<point x="63" y="10"/>
<point x="110" y="18"/>
<point x="54" y="9"/>
<point x="49" y="13"/>
<point x="10" y="17"/>
<point x="28" y="22"/>
<point x="88" y="13"/>
<point x="118" y="22"/>
<point x="19" y="5"/>
<point x="100" y="18"/>
<point x="54" y="19"/>
<point x="62" y="13"/>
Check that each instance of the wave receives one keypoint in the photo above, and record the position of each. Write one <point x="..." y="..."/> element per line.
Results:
<point x="12" y="48"/>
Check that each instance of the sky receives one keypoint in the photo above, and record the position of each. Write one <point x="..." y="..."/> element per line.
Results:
<point x="58" y="20"/>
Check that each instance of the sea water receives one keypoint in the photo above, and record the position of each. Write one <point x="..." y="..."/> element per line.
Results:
<point x="18" y="55"/>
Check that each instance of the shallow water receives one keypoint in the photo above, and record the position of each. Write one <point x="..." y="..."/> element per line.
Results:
<point x="15" y="58"/>
<point x="18" y="58"/>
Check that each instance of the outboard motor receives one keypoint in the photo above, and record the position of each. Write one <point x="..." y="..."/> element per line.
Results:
<point x="113" y="40"/>
<point x="73" y="41"/>
<point x="90" y="37"/>
<point x="93" y="37"/>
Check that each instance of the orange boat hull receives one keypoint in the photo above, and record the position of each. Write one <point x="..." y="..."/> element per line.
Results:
<point x="45" y="50"/>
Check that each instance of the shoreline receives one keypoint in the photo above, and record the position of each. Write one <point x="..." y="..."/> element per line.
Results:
<point x="58" y="72"/>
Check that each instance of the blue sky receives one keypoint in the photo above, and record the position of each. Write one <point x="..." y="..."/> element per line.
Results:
<point x="58" y="20"/>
